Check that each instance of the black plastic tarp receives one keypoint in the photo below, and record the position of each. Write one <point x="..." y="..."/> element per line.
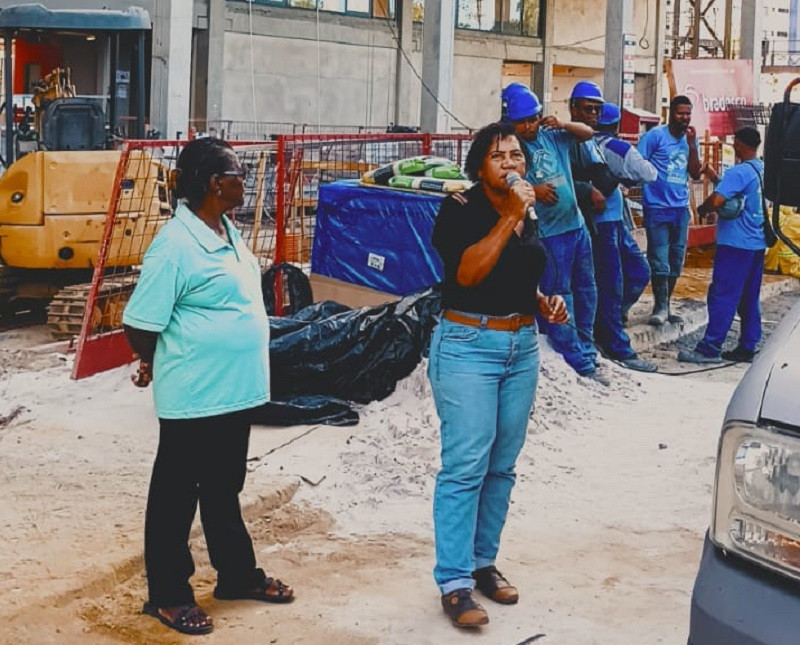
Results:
<point x="298" y="410"/>
<point x="329" y="350"/>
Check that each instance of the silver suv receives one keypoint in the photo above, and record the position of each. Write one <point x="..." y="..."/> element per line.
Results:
<point x="747" y="590"/>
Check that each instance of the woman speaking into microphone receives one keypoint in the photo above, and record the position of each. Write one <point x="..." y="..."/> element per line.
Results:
<point x="484" y="365"/>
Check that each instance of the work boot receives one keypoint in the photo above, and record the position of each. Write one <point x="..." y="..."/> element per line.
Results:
<point x="493" y="585"/>
<point x="693" y="356"/>
<point x="661" y="297"/>
<point x="673" y="318"/>
<point x="598" y="374"/>
<point x="739" y="355"/>
<point x="639" y="364"/>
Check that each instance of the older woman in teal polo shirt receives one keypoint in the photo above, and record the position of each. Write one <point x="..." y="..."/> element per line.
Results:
<point x="198" y="323"/>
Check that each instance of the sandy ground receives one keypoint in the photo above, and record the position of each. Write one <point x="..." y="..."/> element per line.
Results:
<point x="603" y="538"/>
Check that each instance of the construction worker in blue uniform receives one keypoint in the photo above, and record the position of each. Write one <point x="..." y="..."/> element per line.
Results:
<point x="621" y="270"/>
<point x="570" y="269"/>
<point x="674" y="151"/>
<point x="593" y="180"/>
<point x="739" y="259"/>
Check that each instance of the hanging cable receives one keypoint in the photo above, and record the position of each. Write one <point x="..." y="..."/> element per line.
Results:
<point x="425" y="87"/>
<point x="643" y="42"/>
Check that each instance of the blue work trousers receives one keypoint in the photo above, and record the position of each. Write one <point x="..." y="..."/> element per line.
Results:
<point x="667" y="231"/>
<point x="610" y="277"/>
<point x="735" y="286"/>
<point x="483" y="384"/>
<point x="635" y="269"/>
<point x="569" y="272"/>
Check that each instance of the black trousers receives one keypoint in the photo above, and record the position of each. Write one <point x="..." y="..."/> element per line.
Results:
<point x="199" y="460"/>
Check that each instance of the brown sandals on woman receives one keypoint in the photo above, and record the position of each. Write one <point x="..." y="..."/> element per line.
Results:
<point x="265" y="589"/>
<point x="187" y="619"/>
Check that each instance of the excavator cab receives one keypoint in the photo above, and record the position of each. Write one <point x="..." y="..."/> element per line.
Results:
<point x="63" y="119"/>
<point x="60" y="161"/>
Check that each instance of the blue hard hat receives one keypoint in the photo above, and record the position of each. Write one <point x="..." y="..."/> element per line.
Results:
<point x="609" y="114"/>
<point x="512" y="89"/>
<point x="520" y="103"/>
<point x="587" y="90"/>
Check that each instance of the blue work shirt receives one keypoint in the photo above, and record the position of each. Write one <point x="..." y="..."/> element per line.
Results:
<point x="627" y="165"/>
<point x="747" y="230"/>
<point x="550" y="165"/>
<point x="202" y="296"/>
<point x="670" y="156"/>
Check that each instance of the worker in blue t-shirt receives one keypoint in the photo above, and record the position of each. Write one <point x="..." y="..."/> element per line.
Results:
<point x="739" y="260"/>
<point x="673" y="150"/>
<point x="570" y="270"/>
<point x="621" y="270"/>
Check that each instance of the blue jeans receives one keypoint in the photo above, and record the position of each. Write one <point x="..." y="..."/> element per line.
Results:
<point x="569" y="272"/>
<point x="483" y="383"/>
<point x="735" y="286"/>
<point x="667" y="230"/>
<point x="635" y="269"/>
<point x="609" y="273"/>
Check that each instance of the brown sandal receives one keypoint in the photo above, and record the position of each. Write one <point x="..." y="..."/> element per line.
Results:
<point x="265" y="589"/>
<point x="189" y="619"/>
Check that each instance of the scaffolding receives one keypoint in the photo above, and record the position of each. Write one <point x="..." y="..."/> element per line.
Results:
<point x="701" y="28"/>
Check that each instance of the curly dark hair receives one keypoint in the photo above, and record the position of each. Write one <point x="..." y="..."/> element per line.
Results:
<point x="679" y="100"/>
<point x="482" y="142"/>
<point x="197" y="162"/>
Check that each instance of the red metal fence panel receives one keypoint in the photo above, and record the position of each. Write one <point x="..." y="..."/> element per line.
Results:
<point x="277" y="219"/>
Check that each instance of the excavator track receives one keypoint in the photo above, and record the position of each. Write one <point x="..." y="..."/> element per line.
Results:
<point x="8" y="280"/>
<point x="66" y="310"/>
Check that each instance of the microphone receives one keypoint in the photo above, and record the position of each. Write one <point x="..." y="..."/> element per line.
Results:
<point x="512" y="179"/>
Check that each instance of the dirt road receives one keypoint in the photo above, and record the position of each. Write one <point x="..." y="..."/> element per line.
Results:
<point x="603" y="539"/>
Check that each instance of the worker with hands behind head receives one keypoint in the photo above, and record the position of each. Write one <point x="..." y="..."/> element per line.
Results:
<point x="563" y="233"/>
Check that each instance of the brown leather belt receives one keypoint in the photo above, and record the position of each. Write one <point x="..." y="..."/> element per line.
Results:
<point x="497" y="323"/>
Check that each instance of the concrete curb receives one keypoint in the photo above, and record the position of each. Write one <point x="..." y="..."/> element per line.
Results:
<point x="645" y="337"/>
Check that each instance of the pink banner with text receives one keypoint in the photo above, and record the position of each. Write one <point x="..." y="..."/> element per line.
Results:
<point x="714" y="87"/>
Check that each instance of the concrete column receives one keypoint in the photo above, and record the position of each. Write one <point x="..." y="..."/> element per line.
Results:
<point x="403" y="74"/>
<point x="543" y="73"/>
<point x="660" y="39"/>
<point x="171" y="62"/>
<point x="216" y="53"/>
<point x="752" y="34"/>
<point x="619" y="21"/>
<point x="438" y="36"/>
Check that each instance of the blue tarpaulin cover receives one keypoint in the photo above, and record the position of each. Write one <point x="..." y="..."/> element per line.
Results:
<point x="376" y="237"/>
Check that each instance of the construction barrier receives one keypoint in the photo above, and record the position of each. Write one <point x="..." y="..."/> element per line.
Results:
<point x="137" y="196"/>
<point x="277" y="219"/>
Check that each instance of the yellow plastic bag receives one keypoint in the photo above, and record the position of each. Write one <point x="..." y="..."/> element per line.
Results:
<point x="780" y="258"/>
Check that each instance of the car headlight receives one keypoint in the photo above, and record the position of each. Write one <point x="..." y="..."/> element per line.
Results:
<point x="757" y="496"/>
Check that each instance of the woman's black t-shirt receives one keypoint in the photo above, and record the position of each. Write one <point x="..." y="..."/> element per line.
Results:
<point x="510" y="287"/>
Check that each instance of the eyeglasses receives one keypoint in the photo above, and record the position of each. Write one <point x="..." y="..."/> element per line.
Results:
<point x="591" y="108"/>
<point x="241" y="174"/>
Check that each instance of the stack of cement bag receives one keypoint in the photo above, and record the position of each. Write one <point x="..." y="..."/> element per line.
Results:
<point x="419" y="173"/>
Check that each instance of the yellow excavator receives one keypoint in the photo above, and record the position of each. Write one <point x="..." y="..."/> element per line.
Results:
<point x="60" y="168"/>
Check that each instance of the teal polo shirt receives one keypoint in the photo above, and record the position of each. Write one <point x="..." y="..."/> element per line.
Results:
<point x="202" y="296"/>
